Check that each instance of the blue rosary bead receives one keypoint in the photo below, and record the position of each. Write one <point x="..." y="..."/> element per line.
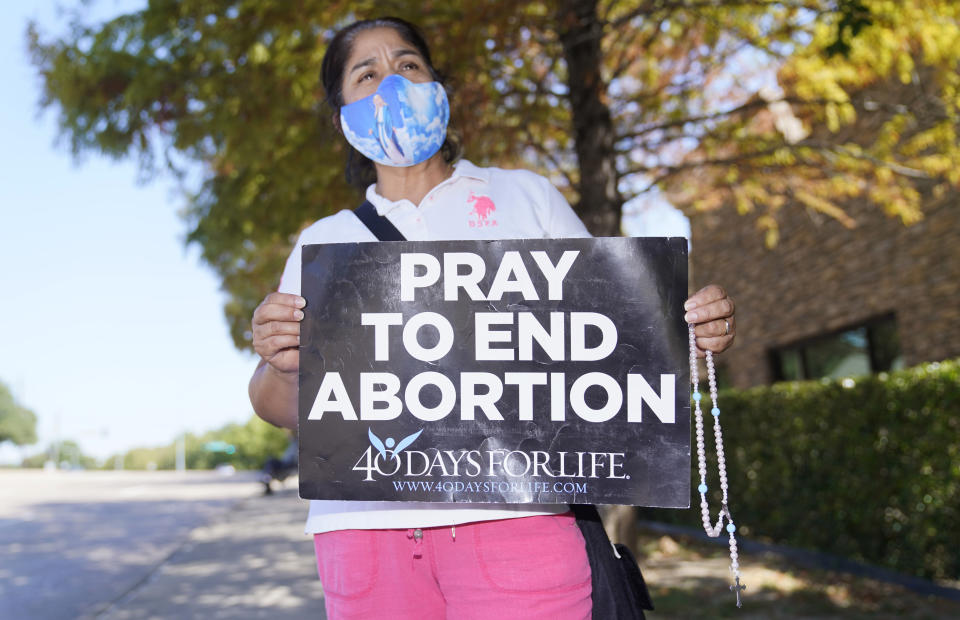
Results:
<point x="702" y="488"/>
<point x="697" y="396"/>
<point x="731" y="528"/>
<point x="715" y="411"/>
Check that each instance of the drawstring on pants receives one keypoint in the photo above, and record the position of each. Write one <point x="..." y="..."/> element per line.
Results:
<point x="417" y="536"/>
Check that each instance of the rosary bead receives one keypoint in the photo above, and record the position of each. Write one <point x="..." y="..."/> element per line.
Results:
<point x="712" y="530"/>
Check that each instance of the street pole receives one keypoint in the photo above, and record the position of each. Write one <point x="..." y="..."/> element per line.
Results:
<point x="182" y="452"/>
<point x="56" y="439"/>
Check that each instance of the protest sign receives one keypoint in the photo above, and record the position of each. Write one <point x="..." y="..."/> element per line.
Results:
<point x="518" y="371"/>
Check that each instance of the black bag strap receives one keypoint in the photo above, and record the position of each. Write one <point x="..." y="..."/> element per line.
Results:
<point x="382" y="228"/>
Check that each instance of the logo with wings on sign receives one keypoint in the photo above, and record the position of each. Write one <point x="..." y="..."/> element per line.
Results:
<point x="391" y="447"/>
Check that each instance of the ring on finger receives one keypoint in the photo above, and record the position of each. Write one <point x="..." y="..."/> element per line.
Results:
<point x="726" y="327"/>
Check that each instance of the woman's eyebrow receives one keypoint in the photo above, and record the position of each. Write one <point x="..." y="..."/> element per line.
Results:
<point x="373" y="59"/>
<point x="363" y="63"/>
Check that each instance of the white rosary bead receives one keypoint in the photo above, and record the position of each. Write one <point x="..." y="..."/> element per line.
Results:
<point x="711" y="530"/>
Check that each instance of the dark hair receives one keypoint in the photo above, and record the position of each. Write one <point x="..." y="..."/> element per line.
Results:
<point x="360" y="170"/>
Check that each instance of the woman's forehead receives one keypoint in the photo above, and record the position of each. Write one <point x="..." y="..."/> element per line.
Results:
<point x="370" y="43"/>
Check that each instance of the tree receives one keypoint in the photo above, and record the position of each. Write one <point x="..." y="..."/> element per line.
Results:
<point x="253" y="443"/>
<point x="256" y="441"/>
<point x="716" y="102"/>
<point x="66" y="452"/>
<point x="759" y="104"/>
<point x="18" y="425"/>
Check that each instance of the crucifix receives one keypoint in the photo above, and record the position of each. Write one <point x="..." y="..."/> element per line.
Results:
<point x="738" y="588"/>
<point x="712" y="530"/>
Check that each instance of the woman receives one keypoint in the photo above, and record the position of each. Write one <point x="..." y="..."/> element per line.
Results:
<point x="417" y="560"/>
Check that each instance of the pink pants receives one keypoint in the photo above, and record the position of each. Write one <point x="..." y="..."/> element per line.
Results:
<point x="531" y="567"/>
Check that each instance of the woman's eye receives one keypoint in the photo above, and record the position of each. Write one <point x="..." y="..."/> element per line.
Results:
<point x="366" y="76"/>
<point x="410" y="66"/>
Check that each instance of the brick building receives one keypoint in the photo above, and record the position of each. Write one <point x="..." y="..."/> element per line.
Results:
<point x="833" y="301"/>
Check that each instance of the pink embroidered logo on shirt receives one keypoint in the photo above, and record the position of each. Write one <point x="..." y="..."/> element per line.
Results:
<point x="482" y="208"/>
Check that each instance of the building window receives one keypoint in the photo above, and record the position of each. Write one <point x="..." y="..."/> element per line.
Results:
<point x="872" y="346"/>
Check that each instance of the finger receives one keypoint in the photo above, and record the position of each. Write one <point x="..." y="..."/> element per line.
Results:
<point x="267" y="348"/>
<point x="285" y="299"/>
<point x="706" y="295"/>
<point x="276" y="328"/>
<point x="276" y="312"/>
<point x="716" y="345"/>
<point x="286" y="360"/>
<point x="720" y="309"/>
<point x="713" y="329"/>
<point x="284" y="341"/>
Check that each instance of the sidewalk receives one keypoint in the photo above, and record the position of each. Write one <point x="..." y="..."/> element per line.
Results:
<point x="255" y="562"/>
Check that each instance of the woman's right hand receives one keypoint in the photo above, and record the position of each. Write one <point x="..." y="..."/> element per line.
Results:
<point x="276" y="331"/>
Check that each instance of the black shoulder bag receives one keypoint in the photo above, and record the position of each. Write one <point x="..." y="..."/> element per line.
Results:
<point x="619" y="592"/>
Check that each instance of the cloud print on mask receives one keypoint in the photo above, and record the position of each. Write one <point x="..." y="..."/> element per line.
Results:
<point x="402" y="124"/>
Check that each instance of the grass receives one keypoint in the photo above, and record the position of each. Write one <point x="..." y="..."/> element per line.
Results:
<point x="691" y="579"/>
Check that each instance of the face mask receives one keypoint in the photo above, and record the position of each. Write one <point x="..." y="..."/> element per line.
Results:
<point x="402" y="124"/>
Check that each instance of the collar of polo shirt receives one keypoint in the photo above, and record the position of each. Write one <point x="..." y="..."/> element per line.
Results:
<point x="462" y="169"/>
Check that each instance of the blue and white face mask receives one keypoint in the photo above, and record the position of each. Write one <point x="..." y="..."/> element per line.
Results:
<point x="402" y="124"/>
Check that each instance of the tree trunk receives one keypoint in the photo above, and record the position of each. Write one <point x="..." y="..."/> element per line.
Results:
<point x="601" y="204"/>
<point x="580" y="33"/>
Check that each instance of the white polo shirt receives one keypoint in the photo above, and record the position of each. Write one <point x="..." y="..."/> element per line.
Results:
<point x="474" y="203"/>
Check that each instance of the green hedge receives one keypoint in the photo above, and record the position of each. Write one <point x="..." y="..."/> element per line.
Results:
<point x="865" y="468"/>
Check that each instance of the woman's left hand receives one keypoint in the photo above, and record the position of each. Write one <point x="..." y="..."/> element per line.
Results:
<point x="711" y="312"/>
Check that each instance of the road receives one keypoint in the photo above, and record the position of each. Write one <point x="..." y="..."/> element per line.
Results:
<point x="139" y="546"/>
<point x="149" y="544"/>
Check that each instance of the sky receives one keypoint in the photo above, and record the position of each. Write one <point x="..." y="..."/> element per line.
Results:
<point x="111" y="330"/>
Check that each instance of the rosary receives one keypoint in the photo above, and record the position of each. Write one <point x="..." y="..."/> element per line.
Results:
<point x="713" y="531"/>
